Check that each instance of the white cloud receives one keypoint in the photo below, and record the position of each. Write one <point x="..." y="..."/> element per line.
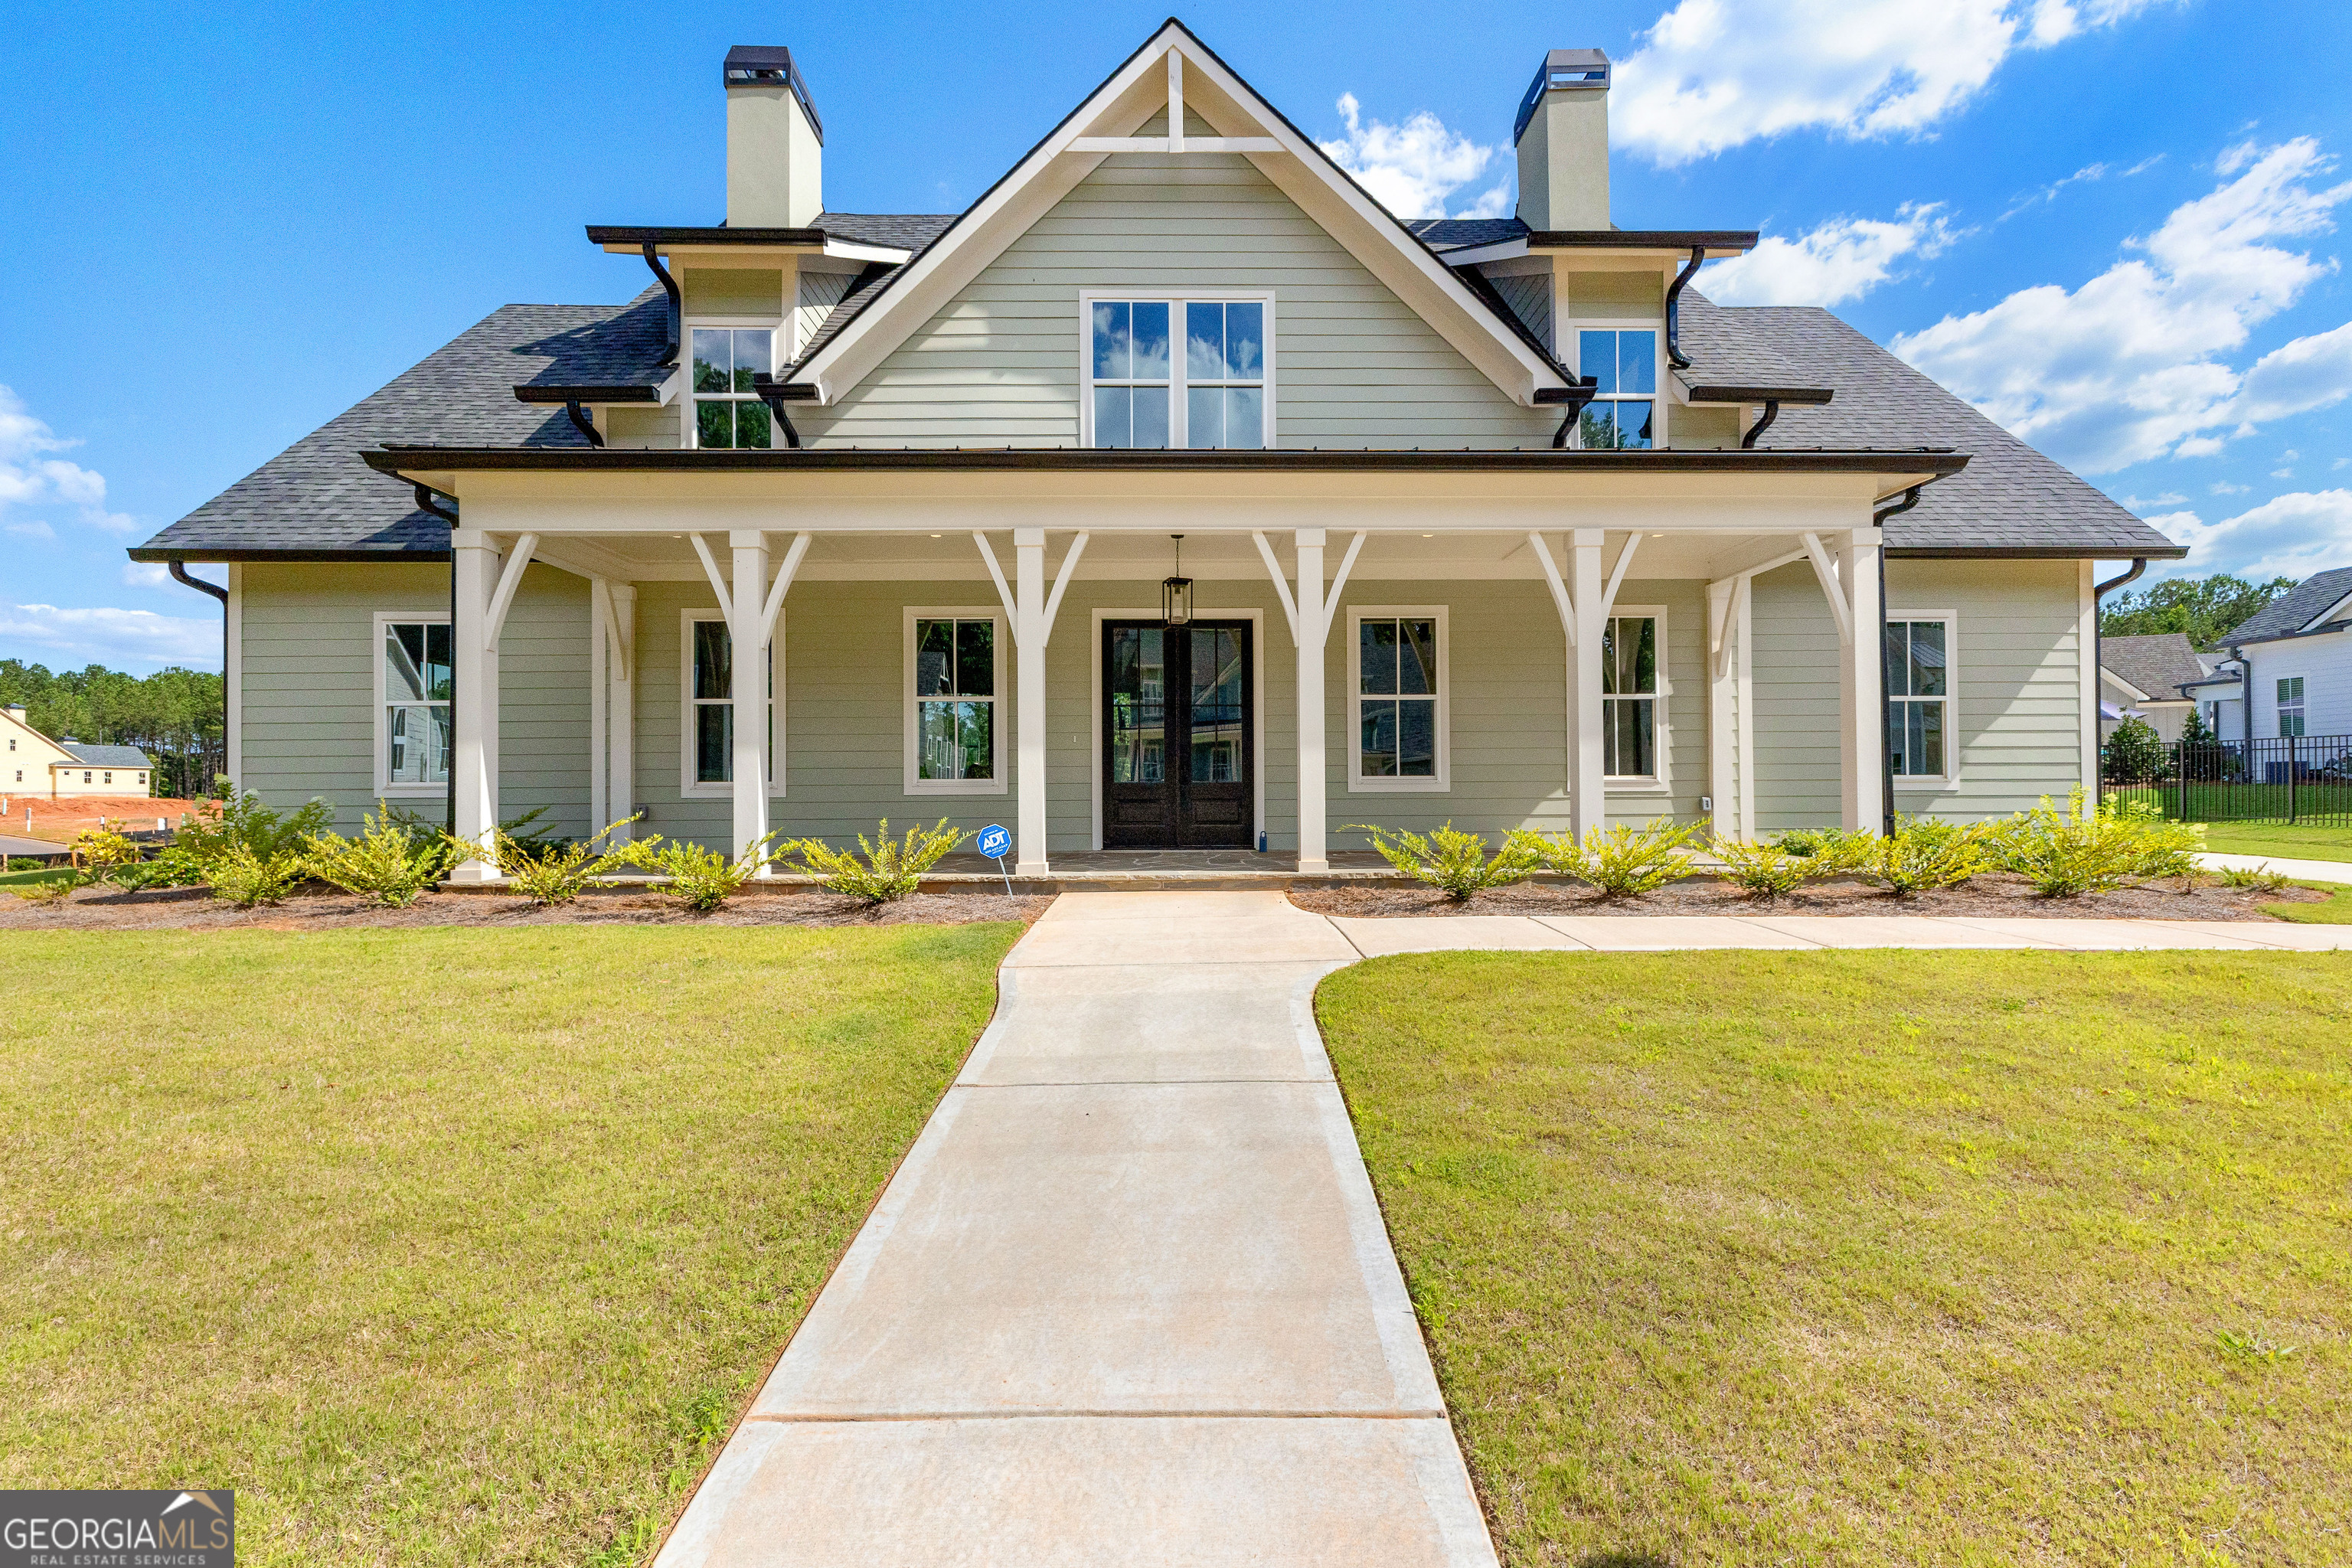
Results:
<point x="2125" y="368"/>
<point x="1841" y="259"/>
<point x="2169" y="497"/>
<point x="1714" y="74"/>
<point x="2224" y="487"/>
<point x="2309" y="372"/>
<point x="2089" y="174"/>
<point x="35" y="529"/>
<point x="2292" y="535"/>
<point x="1411" y="169"/>
<point x="27" y="478"/>
<point x="117" y="637"/>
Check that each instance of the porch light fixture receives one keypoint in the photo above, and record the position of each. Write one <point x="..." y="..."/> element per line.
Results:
<point x="1176" y="592"/>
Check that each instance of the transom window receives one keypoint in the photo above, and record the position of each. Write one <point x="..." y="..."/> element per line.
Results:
<point x="2290" y="706"/>
<point x="954" y="680"/>
<point x="1399" y="694"/>
<point x="1629" y="697"/>
<point x="1918" y="698"/>
<point x="727" y="411"/>
<point x="1144" y="389"/>
<point x="1624" y="409"/>
<point x="415" y="674"/>
<point x="710" y="707"/>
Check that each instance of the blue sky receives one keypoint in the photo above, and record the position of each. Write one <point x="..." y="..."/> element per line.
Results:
<point x="2114" y="224"/>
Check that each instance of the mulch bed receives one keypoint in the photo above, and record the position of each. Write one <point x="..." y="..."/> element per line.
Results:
<point x="1994" y="895"/>
<point x="191" y="908"/>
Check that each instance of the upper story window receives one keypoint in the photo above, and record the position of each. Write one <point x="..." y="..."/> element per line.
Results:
<point x="726" y="412"/>
<point x="1145" y="389"/>
<point x="2290" y="706"/>
<point x="1918" y="697"/>
<point x="1623" y="410"/>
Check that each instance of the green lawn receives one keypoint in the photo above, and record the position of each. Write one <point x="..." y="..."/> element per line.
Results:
<point x="2268" y="802"/>
<point x="443" y="1246"/>
<point x="1876" y="1257"/>
<point x="2295" y="841"/>
<point x="30" y="874"/>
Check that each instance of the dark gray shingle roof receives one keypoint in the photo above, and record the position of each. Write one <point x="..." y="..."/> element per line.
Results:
<point x="2294" y="610"/>
<point x="1457" y="233"/>
<point x="1724" y="352"/>
<point x="907" y="231"/>
<point x="107" y="756"/>
<point x="2010" y="498"/>
<point x="2156" y="664"/>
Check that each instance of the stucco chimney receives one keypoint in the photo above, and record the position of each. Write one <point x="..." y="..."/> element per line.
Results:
<point x="1562" y="135"/>
<point x="775" y="142"/>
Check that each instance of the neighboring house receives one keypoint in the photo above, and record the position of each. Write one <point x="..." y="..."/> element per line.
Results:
<point x="1563" y="542"/>
<point x="33" y="763"/>
<point x="2147" y="678"/>
<point x="2295" y="655"/>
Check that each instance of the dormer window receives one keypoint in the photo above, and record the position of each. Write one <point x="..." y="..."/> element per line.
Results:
<point x="727" y="411"/>
<point x="1623" y="410"/>
<point x="1178" y="373"/>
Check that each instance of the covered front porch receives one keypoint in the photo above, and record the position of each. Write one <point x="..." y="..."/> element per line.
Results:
<point x="1458" y="658"/>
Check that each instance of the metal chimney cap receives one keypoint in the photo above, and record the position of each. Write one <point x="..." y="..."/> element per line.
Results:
<point x="770" y="65"/>
<point x="1566" y="70"/>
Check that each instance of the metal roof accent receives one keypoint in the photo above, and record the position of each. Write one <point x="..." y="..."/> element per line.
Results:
<point x="770" y="65"/>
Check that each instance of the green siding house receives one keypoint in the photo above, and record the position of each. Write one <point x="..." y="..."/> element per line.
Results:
<point x="1174" y="494"/>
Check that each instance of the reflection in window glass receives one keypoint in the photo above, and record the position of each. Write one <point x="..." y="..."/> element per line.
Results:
<point x="416" y="687"/>
<point x="1624" y="366"/>
<point x="1396" y="685"/>
<point x="1215" y="384"/>
<point x="727" y="411"/>
<point x="955" y="699"/>
<point x="1918" y="698"/>
<point x="1628" y="690"/>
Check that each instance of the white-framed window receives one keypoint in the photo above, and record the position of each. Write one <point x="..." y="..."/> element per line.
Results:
<point x="1624" y="410"/>
<point x="1922" y="740"/>
<point x="707" y="682"/>
<point x="958" y="741"/>
<point x="1633" y="693"/>
<point x="411" y="651"/>
<point x="1399" y="668"/>
<point x="1193" y="369"/>
<point x="726" y="411"/>
<point x="2290" y="705"/>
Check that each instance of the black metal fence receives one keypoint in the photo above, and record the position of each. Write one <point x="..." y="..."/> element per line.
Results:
<point x="2280" y="778"/>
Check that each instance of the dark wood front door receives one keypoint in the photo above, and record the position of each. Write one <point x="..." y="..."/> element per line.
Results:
<point x="1177" y="745"/>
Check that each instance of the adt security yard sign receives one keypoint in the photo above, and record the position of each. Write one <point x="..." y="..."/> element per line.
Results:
<point x="993" y="842"/>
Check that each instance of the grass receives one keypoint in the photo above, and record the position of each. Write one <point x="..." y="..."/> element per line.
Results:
<point x="31" y="874"/>
<point x="440" y="1245"/>
<point x="2336" y="911"/>
<point x="2293" y="841"/>
<point x="2240" y="800"/>
<point x="1875" y="1257"/>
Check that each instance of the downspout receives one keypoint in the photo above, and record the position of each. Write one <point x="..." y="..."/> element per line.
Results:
<point x="1771" y="412"/>
<point x="2098" y="652"/>
<point x="582" y="423"/>
<point x="1886" y="703"/>
<point x="1675" y="308"/>
<point x="677" y="302"/>
<point x="425" y="502"/>
<point x="772" y="394"/>
<point x="1580" y="391"/>
<point x="179" y="570"/>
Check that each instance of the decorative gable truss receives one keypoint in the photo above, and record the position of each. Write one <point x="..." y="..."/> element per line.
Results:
<point x="1175" y="73"/>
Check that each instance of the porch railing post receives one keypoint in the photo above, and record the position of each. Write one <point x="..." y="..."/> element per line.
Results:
<point x="1314" y="849"/>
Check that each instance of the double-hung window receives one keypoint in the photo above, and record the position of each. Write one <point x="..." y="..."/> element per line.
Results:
<point x="1178" y="373"/>
<point x="413" y="686"/>
<point x="955" y="670"/>
<point x="1398" y="693"/>
<point x="2290" y="706"/>
<point x="1623" y="410"/>
<point x="1918" y="697"/>
<point x="708" y="704"/>
<point x="1629" y="697"/>
<point x="727" y="411"/>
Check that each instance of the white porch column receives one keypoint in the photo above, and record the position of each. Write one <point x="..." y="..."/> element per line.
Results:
<point x="474" y="714"/>
<point x="1312" y="611"/>
<point x="613" y="792"/>
<point x="1031" y="631"/>
<point x="747" y="635"/>
<point x="1727" y="708"/>
<point x="1862" y="729"/>
<point x="1588" y="801"/>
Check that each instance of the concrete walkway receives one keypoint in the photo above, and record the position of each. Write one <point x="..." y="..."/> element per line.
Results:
<point x="2301" y="870"/>
<point x="1130" y="1299"/>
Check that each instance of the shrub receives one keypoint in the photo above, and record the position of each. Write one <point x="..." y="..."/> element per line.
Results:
<point x="1452" y="859"/>
<point x="102" y="854"/>
<point x="1622" y="861"/>
<point x="388" y="862"/>
<point x="246" y="879"/>
<point x="891" y="869"/>
<point x="552" y="874"/>
<point x="52" y="889"/>
<point x="1766" y="871"/>
<point x="700" y="878"/>
<point x="2068" y="852"/>
<point x="174" y="868"/>
<point x="2263" y="880"/>
<point x="243" y="820"/>
<point x="1830" y="845"/>
<point x="1922" y="855"/>
<point x="2135" y="754"/>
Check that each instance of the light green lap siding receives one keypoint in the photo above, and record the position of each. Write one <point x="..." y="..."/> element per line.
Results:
<point x="2017" y="679"/>
<point x="309" y="714"/>
<point x="999" y="364"/>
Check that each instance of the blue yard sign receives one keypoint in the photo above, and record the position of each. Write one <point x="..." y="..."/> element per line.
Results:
<point x="993" y="842"/>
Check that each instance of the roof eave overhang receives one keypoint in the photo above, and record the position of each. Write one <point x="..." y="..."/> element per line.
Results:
<point x="201" y="554"/>
<point x="1742" y="394"/>
<point x="669" y="240"/>
<point x="633" y="393"/>
<point x="2165" y="552"/>
<point x="1716" y="242"/>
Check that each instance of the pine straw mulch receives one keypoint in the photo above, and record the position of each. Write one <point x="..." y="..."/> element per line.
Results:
<point x="1991" y="895"/>
<point x="319" y="908"/>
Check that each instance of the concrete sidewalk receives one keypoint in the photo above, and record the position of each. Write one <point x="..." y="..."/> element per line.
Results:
<point x="1130" y="1299"/>
<point x="2301" y="870"/>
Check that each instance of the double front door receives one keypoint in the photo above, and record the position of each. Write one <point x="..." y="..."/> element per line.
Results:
<point x="1177" y="761"/>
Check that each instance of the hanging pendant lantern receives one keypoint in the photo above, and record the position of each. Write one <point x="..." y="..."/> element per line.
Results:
<point x="1176" y="592"/>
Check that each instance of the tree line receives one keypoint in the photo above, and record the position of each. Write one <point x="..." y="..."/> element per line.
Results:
<point x="2207" y="608"/>
<point x="172" y="715"/>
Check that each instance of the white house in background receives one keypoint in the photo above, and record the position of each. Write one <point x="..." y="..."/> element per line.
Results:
<point x="2295" y="656"/>
<point x="2145" y="677"/>
<point x="32" y="763"/>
